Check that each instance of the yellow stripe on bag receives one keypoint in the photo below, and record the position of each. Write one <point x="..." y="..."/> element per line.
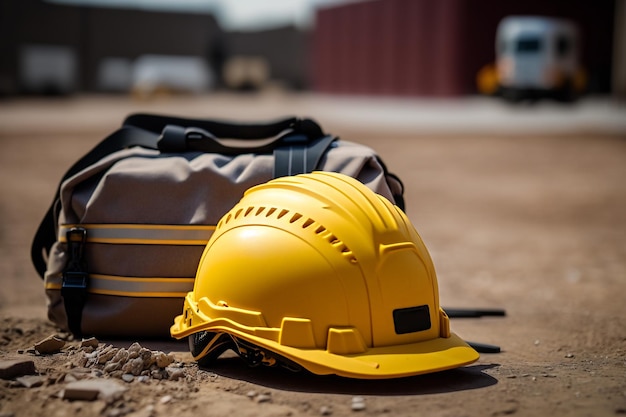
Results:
<point x="134" y="286"/>
<point x="143" y="234"/>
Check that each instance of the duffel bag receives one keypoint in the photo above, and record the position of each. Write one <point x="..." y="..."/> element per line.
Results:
<point x="119" y="246"/>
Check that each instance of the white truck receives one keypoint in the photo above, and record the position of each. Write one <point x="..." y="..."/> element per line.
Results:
<point x="536" y="57"/>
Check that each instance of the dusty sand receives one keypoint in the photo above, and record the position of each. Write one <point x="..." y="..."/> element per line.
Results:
<point x="532" y="223"/>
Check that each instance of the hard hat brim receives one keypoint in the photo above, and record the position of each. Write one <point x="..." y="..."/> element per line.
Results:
<point x="384" y="362"/>
<point x="375" y="363"/>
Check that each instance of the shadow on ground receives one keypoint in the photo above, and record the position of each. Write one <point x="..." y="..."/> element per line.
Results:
<point x="461" y="379"/>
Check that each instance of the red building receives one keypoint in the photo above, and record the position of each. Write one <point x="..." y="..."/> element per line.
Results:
<point x="435" y="48"/>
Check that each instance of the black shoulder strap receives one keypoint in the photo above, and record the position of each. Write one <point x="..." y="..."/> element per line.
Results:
<point x="299" y="157"/>
<point x="46" y="233"/>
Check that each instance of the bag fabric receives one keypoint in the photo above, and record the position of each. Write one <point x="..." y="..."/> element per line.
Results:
<point x="119" y="248"/>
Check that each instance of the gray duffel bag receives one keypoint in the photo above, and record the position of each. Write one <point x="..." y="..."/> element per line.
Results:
<point x="119" y="247"/>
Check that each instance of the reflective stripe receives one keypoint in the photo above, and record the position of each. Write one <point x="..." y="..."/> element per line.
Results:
<point x="143" y="234"/>
<point x="134" y="286"/>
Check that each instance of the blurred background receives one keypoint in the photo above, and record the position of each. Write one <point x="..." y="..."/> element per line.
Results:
<point x="403" y="48"/>
<point x="521" y="206"/>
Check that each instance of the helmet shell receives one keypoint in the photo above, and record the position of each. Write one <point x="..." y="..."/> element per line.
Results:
<point x="324" y="272"/>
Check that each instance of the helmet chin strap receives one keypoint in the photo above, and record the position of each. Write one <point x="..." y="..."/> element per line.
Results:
<point x="255" y="356"/>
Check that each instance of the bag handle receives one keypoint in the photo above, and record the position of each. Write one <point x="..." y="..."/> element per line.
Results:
<point x="176" y="138"/>
<point x="227" y="130"/>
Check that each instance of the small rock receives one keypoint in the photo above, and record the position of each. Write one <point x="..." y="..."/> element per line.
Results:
<point x="120" y="357"/>
<point x="107" y="354"/>
<point x="133" y="366"/>
<point x="30" y="381"/>
<point x="163" y="360"/>
<point x="174" y="374"/>
<point x="358" y="404"/>
<point x="569" y="355"/>
<point x="128" y="378"/>
<point x="10" y="369"/>
<point x="50" y="344"/>
<point x="325" y="410"/>
<point x="135" y="348"/>
<point x="90" y="389"/>
<point x="117" y="374"/>
<point x="112" y="366"/>
<point x="143" y="378"/>
<point x="91" y="342"/>
<point x="147" y="355"/>
<point x="251" y="394"/>
<point x="165" y="399"/>
<point x="263" y="398"/>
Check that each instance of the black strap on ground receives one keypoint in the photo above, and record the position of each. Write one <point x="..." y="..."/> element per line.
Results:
<point x="477" y="313"/>
<point x="483" y="347"/>
<point x="473" y="313"/>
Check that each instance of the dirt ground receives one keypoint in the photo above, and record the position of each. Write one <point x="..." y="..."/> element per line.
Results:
<point x="534" y="224"/>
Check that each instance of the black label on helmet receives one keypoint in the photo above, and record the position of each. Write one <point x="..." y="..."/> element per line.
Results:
<point x="411" y="319"/>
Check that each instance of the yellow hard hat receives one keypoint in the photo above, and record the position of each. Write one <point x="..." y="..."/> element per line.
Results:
<point x="316" y="271"/>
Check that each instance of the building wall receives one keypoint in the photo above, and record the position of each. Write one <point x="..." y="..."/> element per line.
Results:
<point x="94" y="34"/>
<point x="129" y="33"/>
<point x="393" y="47"/>
<point x="32" y="22"/>
<point x="388" y="47"/>
<point x="285" y="49"/>
<point x="435" y="48"/>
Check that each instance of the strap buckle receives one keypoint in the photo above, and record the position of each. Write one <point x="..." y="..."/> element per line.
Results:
<point x="76" y="238"/>
<point x="75" y="278"/>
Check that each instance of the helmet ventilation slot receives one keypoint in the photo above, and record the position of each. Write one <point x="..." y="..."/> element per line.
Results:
<point x="295" y="217"/>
